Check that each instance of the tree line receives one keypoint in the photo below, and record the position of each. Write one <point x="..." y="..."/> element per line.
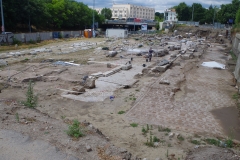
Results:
<point x="196" y="12"/>
<point x="48" y="14"/>
<point x="72" y="15"/>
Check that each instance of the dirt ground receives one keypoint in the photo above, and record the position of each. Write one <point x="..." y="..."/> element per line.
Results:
<point x="182" y="114"/>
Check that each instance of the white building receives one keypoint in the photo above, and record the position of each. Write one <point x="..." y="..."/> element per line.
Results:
<point x="98" y="10"/>
<point x="170" y="15"/>
<point x="124" y="11"/>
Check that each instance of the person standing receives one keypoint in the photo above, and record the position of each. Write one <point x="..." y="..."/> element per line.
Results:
<point x="150" y="54"/>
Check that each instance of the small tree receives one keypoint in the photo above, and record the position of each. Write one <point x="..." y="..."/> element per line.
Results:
<point x="107" y="13"/>
<point x="237" y="20"/>
<point x="31" y="101"/>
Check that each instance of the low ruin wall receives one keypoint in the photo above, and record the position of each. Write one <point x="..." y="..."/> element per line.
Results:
<point x="236" y="51"/>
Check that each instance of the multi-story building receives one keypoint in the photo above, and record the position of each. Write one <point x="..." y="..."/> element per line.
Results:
<point x="125" y="11"/>
<point x="170" y="15"/>
<point x="98" y="10"/>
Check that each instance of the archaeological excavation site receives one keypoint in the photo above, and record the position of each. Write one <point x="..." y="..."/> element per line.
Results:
<point x="161" y="96"/>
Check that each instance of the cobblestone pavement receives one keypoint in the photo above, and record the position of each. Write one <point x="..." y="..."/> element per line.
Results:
<point x="202" y="89"/>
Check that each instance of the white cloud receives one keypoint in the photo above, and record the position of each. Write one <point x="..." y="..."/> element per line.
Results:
<point x="159" y="6"/>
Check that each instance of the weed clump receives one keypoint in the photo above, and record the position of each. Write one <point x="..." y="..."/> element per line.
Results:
<point x="75" y="130"/>
<point x="134" y="124"/>
<point x="31" y="101"/>
<point x="121" y="112"/>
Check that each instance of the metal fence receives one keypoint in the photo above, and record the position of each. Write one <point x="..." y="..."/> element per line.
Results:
<point x="216" y="25"/>
<point x="26" y="37"/>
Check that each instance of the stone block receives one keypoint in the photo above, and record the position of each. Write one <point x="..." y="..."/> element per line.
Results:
<point x="78" y="89"/>
<point x="89" y="83"/>
<point x="127" y="67"/>
<point x="89" y="149"/>
<point x="163" y="81"/>
<point x="112" y="53"/>
<point x="171" y="135"/>
<point x="3" y="63"/>
<point x="160" y="68"/>
<point x="109" y="65"/>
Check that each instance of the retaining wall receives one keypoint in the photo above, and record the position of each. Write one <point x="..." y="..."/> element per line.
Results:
<point x="236" y="51"/>
<point x="26" y="37"/>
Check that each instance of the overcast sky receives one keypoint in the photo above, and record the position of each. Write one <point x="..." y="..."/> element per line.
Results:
<point x="159" y="5"/>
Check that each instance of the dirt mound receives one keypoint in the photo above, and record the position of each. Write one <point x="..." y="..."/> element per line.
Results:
<point x="213" y="153"/>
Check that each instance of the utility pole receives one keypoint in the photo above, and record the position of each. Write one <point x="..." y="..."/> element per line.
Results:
<point x="213" y="16"/>
<point x="192" y="11"/>
<point x="3" y="27"/>
<point x="134" y="19"/>
<point x="29" y="21"/>
<point x="93" y="32"/>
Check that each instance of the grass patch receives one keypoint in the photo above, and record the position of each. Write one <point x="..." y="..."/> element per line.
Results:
<point x="75" y="130"/>
<point x="63" y="117"/>
<point x="161" y="129"/>
<point x="155" y="139"/>
<point x="234" y="57"/>
<point x="229" y="143"/>
<point x="121" y="112"/>
<point x="151" y="142"/>
<point x="134" y="124"/>
<point x="235" y="96"/>
<point x="17" y="117"/>
<point x="196" y="142"/>
<point x="180" y="138"/>
<point x="213" y="141"/>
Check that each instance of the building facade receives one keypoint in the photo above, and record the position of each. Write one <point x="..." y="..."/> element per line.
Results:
<point x="170" y="15"/>
<point x="125" y="11"/>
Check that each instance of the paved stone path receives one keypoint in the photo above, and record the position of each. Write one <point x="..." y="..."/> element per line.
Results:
<point x="203" y="89"/>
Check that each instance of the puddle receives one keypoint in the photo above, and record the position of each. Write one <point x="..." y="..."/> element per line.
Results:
<point x="228" y="118"/>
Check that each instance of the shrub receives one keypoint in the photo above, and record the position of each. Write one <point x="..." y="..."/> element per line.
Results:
<point x="74" y="130"/>
<point x="121" y="112"/>
<point x="31" y="101"/>
<point x="32" y="41"/>
<point x="195" y="142"/>
<point x="134" y="124"/>
<point x="155" y="139"/>
<point x="229" y="143"/>
<point x="16" y="41"/>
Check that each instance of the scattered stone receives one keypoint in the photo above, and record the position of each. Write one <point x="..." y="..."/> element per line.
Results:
<point x="89" y="83"/>
<point x="3" y="62"/>
<point x="163" y="81"/>
<point x="127" y="67"/>
<point x="156" y="144"/>
<point x="91" y="59"/>
<point x="160" y="68"/>
<point x="37" y="78"/>
<point x="89" y="149"/>
<point x="171" y="135"/>
<point x="78" y="89"/>
<point x="112" y="53"/>
<point x="163" y="62"/>
<point x="109" y="65"/>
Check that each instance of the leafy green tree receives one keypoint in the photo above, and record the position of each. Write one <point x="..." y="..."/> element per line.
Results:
<point x="237" y="20"/>
<point x="159" y="15"/>
<point x="107" y="13"/>
<point x="228" y="11"/>
<point x="198" y="13"/>
<point x="183" y="11"/>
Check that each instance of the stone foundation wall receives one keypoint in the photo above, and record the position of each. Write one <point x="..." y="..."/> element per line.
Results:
<point x="236" y="51"/>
